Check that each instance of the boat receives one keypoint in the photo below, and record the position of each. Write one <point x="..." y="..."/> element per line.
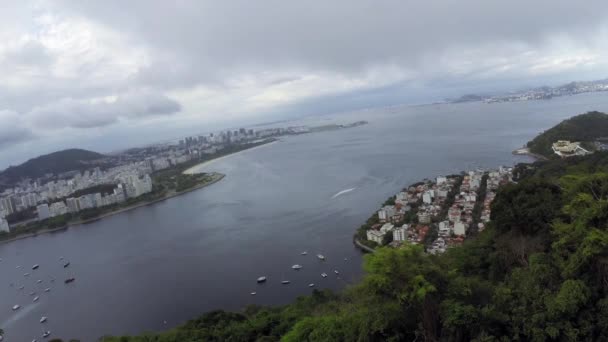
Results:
<point x="336" y="272"/>
<point x="26" y="274"/>
<point x="46" y="334"/>
<point x="66" y="264"/>
<point x="253" y="293"/>
<point x="17" y="267"/>
<point x="285" y="282"/>
<point x="311" y="285"/>
<point x="38" y="281"/>
<point x="60" y="258"/>
<point x="16" y="307"/>
<point x="36" y="298"/>
<point x="32" y="293"/>
<point x="261" y="279"/>
<point x="35" y="267"/>
<point x="321" y="256"/>
<point x="70" y="280"/>
<point x="324" y="275"/>
<point x="296" y="267"/>
<point x="303" y="253"/>
<point x="47" y="289"/>
<point x="43" y="319"/>
<point x="21" y="287"/>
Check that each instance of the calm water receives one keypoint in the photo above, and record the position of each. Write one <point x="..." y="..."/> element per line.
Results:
<point x="174" y="260"/>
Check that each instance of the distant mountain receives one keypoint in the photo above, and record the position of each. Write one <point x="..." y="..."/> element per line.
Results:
<point x="585" y="128"/>
<point x="468" y="98"/>
<point x="53" y="163"/>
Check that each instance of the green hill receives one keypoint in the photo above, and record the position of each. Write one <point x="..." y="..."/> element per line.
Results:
<point x="585" y="128"/>
<point x="55" y="163"/>
<point x="539" y="272"/>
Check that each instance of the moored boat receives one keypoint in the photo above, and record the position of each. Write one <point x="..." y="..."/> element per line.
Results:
<point x="324" y="275"/>
<point x="16" y="307"/>
<point x="261" y="279"/>
<point x="35" y="267"/>
<point x="285" y="282"/>
<point x="296" y="267"/>
<point x="321" y="256"/>
<point x="43" y="319"/>
<point x="70" y="280"/>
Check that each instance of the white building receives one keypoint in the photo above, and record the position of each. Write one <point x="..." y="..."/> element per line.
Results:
<point x="386" y="213"/>
<point x="441" y="180"/>
<point x="4" y="226"/>
<point x="58" y="208"/>
<point x="375" y="235"/>
<point x="43" y="211"/>
<point x="459" y="228"/>
<point x="400" y="234"/>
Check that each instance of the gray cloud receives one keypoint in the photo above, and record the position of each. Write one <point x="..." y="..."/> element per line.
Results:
<point x="12" y="131"/>
<point x="87" y="113"/>
<point x="208" y="40"/>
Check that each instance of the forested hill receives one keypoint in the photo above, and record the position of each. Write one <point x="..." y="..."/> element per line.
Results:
<point x="56" y="162"/>
<point x="586" y="128"/>
<point x="539" y="272"/>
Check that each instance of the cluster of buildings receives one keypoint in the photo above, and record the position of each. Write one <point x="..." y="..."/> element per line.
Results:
<point x="425" y="200"/>
<point x="566" y="148"/>
<point x="446" y="205"/>
<point x="550" y="92"/>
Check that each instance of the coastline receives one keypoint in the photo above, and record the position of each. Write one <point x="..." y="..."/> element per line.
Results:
<point x="192" y="169"/>
<point x="524" y="151"/>
<point x="219" y="177"/>
<point x="363" y="247"/>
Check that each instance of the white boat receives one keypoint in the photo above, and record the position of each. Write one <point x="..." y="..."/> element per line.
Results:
<point x="253" y="293"/>
<point x="35" y="267"/>
<point x="296" y="267"/>
<point x="303" y="253"/>
<point x="46" y="334"/>
<point x="38" y="281"/>
<point x="285" y="282"/>
<point x="47" y="289"/>
<point x="21" y="287"/>
<point x="16" y="307"/>
<point x="324" y="275"/>
<point x="43" y="319"/>
<point x="311" y="285"/>
<point x="336" y="272"/>
<point x="36" y="299"/>
<point x="26" y="274"/>
<point x="261" y="279"/>
<point x="321" y="256"/>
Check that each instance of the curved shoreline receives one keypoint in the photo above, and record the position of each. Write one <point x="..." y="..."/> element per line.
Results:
<point x="526" y="152"/>
<point x="220" y="176"/>
<point x="363" y="247"/>
<point x="192" y="169"/>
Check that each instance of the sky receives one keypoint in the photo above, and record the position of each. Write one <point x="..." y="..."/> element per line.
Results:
<point x="111" y="74"/>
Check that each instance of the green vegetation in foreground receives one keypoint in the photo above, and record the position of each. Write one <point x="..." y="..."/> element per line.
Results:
<point x="585" y="128"/>
<point x="165" y="183"/>
<point x="539" y="272"/>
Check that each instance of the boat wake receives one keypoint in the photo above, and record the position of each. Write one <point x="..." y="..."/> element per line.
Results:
<point x="342" y="192"/>
<point x="24" y="311"/>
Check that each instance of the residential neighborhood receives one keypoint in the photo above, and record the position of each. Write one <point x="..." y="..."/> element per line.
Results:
<point x="438" y="213"/>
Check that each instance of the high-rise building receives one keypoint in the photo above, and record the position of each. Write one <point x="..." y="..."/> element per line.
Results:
<point x="43" y="211"/>
<point x="72" y="204"/>
<point x="4" y="227"/>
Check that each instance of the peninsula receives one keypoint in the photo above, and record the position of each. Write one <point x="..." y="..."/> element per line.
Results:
<point x="535" y="270"/>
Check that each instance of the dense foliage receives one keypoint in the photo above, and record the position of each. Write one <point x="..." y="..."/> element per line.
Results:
<point x="539" y="272"/>
<point x="584" y="128"/>
<point x="57" y="162"/>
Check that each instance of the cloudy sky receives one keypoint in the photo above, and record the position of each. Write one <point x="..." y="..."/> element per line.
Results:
<point x="112" y="73"/>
